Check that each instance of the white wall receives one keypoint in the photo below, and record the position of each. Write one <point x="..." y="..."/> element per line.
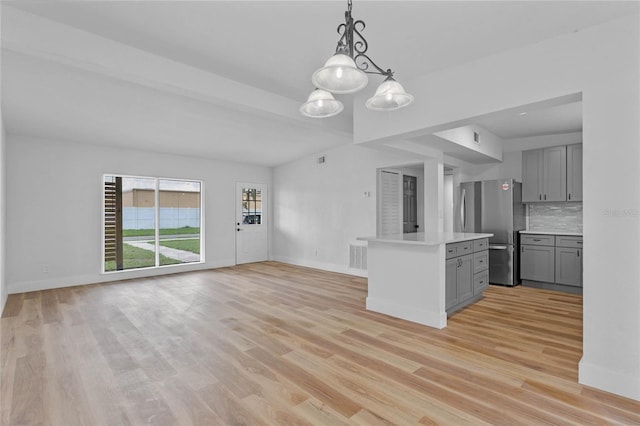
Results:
<point x="448" y="192"/>
<point x="320" y="208"/>
<point x="488" y="144"/>
<point x="602" y="63"/>
<point x="54" y="208"/>
<point x="3" y="205"/>
<point x="3" y="202"/>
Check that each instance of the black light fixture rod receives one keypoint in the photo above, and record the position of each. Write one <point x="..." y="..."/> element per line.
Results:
<point x="348" y="45"/>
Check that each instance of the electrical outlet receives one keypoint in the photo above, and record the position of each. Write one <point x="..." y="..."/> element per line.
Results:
<point x="45" y="269"/>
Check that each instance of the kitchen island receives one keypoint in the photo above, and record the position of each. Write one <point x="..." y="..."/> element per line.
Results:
<point x="407" y="274"/>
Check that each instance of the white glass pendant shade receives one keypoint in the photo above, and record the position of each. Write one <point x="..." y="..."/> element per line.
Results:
<point x="321" y="104"/>
<point x="340" y="75"/>
<point x="389" y="95"/>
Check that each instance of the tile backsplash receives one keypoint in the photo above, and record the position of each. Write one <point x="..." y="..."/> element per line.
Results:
<point x="555" y="217"/>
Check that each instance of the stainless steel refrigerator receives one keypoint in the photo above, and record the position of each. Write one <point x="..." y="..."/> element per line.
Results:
<point x="494" y="206"/>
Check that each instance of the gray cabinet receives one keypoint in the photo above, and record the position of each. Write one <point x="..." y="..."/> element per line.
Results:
<point x="568" y="266"/>
<point x="574" y="172"/>
<point x="465" y="277"/>
<point x="551" y="259"/>
<point x="466" y="273"/>
<point x="532" y="176"/>
<point x="569" y="261"/>
<point x="459" y="280"/>
<point x="537" y="263"/>
<point x="555" y="174"/>
<point x="451" y="287"/>
<point x="552" y="174"/>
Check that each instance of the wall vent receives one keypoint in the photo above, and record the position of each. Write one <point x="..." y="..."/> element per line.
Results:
<point x="358" y="257"/>
<point x="476" y="137"/>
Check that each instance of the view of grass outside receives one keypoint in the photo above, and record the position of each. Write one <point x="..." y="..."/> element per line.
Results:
<point x="185" y="230"/>
<point x="138" y="258"/>
<point x="187" y="244"/>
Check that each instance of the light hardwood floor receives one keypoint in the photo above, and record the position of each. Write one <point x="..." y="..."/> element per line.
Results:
<point x="270" y="343"/>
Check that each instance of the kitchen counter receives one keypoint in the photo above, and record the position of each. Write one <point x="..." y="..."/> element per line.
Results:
<point x="573" y="234"/>
<point x="426" y="238"/>
<point x="407" y="275"/>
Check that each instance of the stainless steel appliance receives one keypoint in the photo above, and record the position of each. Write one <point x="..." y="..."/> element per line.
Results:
<point x="494" y="206"/>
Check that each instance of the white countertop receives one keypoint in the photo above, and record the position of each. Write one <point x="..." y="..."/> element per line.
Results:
<point x="426" y="238"/>
<point x="573" y="234"/>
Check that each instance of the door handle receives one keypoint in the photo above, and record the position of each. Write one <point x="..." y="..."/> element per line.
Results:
<point x="463" y="210"/>
<point x="238" y="229"/>
<point x="491" y="247"/>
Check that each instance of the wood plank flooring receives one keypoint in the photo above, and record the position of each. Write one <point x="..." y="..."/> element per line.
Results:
<point x="274" y="344"/>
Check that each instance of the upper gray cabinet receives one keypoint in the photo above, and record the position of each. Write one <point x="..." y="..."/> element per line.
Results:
<point x="545" y="174"/>
<point x="555" y="173"/>
<point x="574" y="172"/>
<point x="532" y="176"/>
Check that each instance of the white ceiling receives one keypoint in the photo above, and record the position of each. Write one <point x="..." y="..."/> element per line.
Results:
<point x="528" y="121"/>
<point x="271" y="46"/>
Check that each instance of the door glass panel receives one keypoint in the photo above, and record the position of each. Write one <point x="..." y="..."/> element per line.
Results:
<point x="179" y="221"/>
<point x="251" y="206"/>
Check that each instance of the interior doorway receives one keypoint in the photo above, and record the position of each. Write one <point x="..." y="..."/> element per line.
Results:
<point x="409" y="204"/>
<point x="400" y="199"/>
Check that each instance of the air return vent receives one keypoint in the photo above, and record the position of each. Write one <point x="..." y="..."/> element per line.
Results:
<point x="358" y="257"/>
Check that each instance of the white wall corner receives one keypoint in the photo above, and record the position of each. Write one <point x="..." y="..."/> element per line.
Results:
<point x="620" y="383"/>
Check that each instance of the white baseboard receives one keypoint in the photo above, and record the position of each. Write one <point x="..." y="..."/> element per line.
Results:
<point x="420" y="316"/>
<point x="3" y="302"/>
<point x="60" y="282"/>
<point x="620" y="383"/>
<point x="331" y="267"/>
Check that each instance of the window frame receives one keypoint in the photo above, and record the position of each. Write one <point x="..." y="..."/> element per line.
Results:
<point x="157" y="265"/>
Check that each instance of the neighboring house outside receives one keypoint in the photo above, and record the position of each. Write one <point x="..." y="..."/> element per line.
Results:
<point x="177" y="209"/>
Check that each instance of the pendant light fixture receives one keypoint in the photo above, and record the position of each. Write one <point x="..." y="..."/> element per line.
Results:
<point x="321" y="104"/>
<point x="346" y="72"/>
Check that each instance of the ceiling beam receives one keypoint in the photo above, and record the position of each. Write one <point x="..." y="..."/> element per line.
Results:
<point x="89" y="52"/>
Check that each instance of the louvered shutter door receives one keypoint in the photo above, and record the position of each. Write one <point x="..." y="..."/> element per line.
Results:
<point x="113" y="222"/>
<point x="391" y="204"/>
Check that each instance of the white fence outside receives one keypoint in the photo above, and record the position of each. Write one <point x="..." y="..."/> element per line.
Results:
<point x="170" y="217"/>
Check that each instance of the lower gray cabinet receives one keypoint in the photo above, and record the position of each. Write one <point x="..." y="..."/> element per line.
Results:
<point x="480" y="282"/>
<point x="466" y="275"/>
<point x="451" y="290"/>
<point x="551" y="259"/>
<point x="459" y="280"/>
<point x="537" y="263"/>
<point x="569" y="266"/>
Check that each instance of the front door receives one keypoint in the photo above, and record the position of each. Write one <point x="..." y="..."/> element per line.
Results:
<point x="410" y="204"/>
<point x="251" y="223"/>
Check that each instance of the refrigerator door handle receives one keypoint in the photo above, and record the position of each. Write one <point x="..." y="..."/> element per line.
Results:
<point x="492" y="247"/>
